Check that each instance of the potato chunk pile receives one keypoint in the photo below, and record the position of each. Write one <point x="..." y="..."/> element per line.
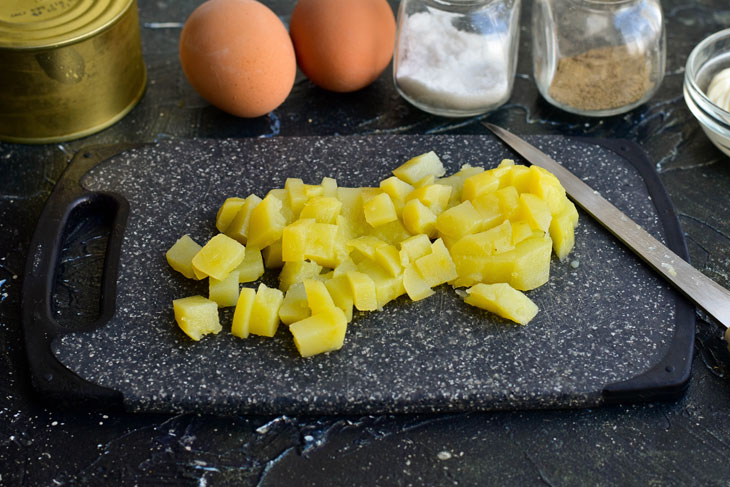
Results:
<point x="341" y="249"/>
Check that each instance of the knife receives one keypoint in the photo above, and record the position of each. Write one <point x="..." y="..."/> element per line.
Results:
<point x="700" y="289"/>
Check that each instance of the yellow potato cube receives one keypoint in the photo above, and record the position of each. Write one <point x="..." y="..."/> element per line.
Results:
<point x="415" y="284"/>
<point x="396" y="188"/>
<point x="252" y="265"/>
<point x="534" y="211"/>
<point x="329" y="187"/>
<point x="488" y="207"/>
<point x="320" y="333"/>
<point x="493" y="241"/>
<point x="362" y="289"/>
<point x="180" y="256"/>
<point x="456" y="181"/>
<point x="502" y="172"/>
<point x="218" y="257"/>
<point x="392" y="232"/>
<point x="479" y="184"/>
<point x="545" y="185"/>
<point x="519" y="177"/>
<point x="238" y="226"/>
<point x="414" y="247"/>
<point x="419" y="167"/>
<point x="562" y="230"/>
<point x="242" y="314"/>
<point x="437" y="267"/>
<point x="227" y="212"/>
<point x="272" y="255"/>
<point x="532" y="263"/>
<point x="322" y="245"/>
<point x="364" y="247"/>
<point x="379" y="210"/>
<point x="509" y="201"/>
<point x="225" y="291"/>
<point x="293" y="272"/>
<point x="313" y="191"/>
<point x="267" y="222"/>
<point x="344" y="267"/>
<point x="418" y="218"/>
<point x="294" y="240"/>
<point x="296" y="194"/>
<point x="339" y="289"/>
<point x="521" y="230"/>
<point x="265" y="311"/>
<point x="286" y="210"/>
<point x="323" y="209"/>
<point x="294" y="307"/>
<point x="318" y="297"/>
<point x="435" y="196"/>
<point x="196" y="316"/>
<point x="387" y="287"/>
<point x="459" y="220"/>
<point x="502" y="300"/>
<point x="388" y="258"/>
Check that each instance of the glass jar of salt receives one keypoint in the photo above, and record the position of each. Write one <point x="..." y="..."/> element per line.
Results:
<point x="456" y="58"/>
<point x="598" y="57"/>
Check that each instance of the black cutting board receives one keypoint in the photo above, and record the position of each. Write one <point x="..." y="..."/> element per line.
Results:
<point x="608" y="328"/>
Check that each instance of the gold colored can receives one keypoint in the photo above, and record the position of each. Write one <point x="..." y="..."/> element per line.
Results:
<point x="68" y="68"/>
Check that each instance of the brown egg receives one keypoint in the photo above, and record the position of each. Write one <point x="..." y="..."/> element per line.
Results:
<point x="342" y="45"/>
<point x="238" y="55"/>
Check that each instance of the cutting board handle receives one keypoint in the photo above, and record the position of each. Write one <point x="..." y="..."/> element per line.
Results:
<point x="57" y="383"/>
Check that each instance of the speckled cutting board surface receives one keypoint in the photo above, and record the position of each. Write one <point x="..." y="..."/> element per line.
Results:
<point x="604" y="316"/>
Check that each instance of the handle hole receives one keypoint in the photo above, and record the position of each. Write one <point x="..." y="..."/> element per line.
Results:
<point x="76" y="300"/>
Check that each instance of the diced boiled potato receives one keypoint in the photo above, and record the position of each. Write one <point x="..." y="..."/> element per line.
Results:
<point x="459" y="220"/>
<point x="322" y="245"/>
<point x="320" y="333"/>
<point x="294" y="307"/>
<point x="414" y="247"/>
<point x="323" y="209"/>
<point x="363" y="292"/>
<point x="364" y="247"/>
<point x="509" y="201"/>
<point x="388" y="258"/>
<point x="242" y="314"/>
<point x="379" y="210"/>
<point x="392" y="232"/>
<point x="434" y="196"/>
<point x="503" y="171"/>
<point x="415" y="284"/>
<point x="387" y="287"/>
<point x="479" y="184"/>
<point x="534" y="211"/>
<point x="265" y="311"/>
<point x="341" y="293"/>
<point x="437" y="267"/>
<point x="545" y="185"/>
<point x="293" y="272"/>
<point x="503" y="300"/>
<point x="227" y="212"/>
<point x="197" y="316"/>
<point x="238" y="226"/>
<point x="456" y="181"/>
<point x="266" y="223"/>
<point x="318" y="297"/>
<point x="519" y="177"/>
<point x="329" y="187"/>
<point x="313" y="191"/>
<point x="493" y="241"/>
<point x="272" y="255"/>
<point x="224" y="292"/>
<point x="252" y="265"/>
<point x="490" y="210"/>
<point x="180" y="256"/>
<point x="286" y="209"/>
<point x="396" y="188"/>
<point x="419" y="167"/>
<point x="532" y="263"/>
<point x="562" y="230"/>
<point x="344" y="267"/>
<point x="296" y="194"/>
<point x="218" y="257"/>
<point x="520" y="231"/>
<point x="294" y="240"/>
<point x="418" y="218"/>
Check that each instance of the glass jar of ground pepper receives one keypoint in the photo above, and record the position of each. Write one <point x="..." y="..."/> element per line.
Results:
<point x="598" y="57"/>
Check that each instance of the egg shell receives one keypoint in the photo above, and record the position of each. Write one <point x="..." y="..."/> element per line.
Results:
<point x="342" y="45"/>
<point x="237" y="54"/>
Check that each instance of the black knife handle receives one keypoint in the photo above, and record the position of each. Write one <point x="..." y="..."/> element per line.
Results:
<point x="50" y="378"/>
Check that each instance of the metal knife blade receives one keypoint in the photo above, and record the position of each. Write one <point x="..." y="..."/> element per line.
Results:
<point x="700" y="289"/>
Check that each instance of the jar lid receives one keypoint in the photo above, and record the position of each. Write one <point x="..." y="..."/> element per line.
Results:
<point x="54" y="23"/>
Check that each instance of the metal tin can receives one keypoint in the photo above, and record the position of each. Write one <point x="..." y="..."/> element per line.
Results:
<point x="68" y="68"/>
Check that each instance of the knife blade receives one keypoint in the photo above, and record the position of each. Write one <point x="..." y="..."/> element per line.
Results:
<point x="700" y="289"/>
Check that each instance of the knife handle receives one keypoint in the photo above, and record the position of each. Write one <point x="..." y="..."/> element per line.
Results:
<point x="68" y="202"/>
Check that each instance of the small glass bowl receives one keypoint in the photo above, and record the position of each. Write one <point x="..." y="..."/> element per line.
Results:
<point x="708" y="58"/>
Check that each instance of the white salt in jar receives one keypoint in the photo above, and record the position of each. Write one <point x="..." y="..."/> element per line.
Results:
<point x="456" y="58"/>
